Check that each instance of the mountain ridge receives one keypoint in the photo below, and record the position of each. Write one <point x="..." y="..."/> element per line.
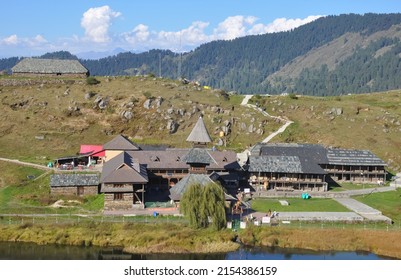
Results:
<point x="309" y="60"/>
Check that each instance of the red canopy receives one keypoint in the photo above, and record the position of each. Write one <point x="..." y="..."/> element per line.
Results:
<point x="92" y="150"/>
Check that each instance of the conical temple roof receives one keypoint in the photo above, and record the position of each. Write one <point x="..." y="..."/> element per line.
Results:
<point x="199" y="133"/>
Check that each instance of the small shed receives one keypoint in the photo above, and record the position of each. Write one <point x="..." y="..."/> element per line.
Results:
<point x="74" y="184"/>
<point x="50" y="67"/>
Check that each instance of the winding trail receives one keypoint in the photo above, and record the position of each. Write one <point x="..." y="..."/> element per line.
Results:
<point x="264" y="113"/>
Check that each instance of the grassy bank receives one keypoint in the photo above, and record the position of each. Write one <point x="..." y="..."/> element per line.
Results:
<point x="177" y="238"/>
<point x="135" y="238"/>
<point x="379" y="242"/>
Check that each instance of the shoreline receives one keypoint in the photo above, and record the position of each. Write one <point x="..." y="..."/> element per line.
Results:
<point x="178" y="239"/>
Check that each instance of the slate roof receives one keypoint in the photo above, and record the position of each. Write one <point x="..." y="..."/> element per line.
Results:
<point x="121" y="143"/>
<point x="49" y="66"/>
<point x="284" y="164"/>
<point x="72" y="180"/>
<point x="305" y="158"/>
<point x="199" y="133"/>
<point x="353" y="157"/>
<point x="311" y="152"/>
<point x="174" y="159"/>
<point x="198" y="155"/>
<point x="123" y="168"/>
<point x="179" y="189"/>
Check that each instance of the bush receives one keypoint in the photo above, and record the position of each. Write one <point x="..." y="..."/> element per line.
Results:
<point x="292" y="96"/>
<point x="148" y="95"/>
<point x="92" y="81"/>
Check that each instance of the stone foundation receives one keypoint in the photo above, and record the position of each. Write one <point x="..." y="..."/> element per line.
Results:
<point x="87" y="190"/>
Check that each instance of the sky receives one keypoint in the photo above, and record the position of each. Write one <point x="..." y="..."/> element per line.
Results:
<point x="93" y="28"/>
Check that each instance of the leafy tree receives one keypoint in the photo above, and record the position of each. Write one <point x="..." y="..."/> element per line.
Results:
<point x="199" y="203"/>
<point x="213" y="205"/>
<point x="190" y="206"/>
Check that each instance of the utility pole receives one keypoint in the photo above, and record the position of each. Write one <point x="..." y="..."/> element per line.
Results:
<point x="179" y="61"/>
<point x="160" y="65"/>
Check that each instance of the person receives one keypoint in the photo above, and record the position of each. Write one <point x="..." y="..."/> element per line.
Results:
<point x="269" y="213"/>
<point x="274" y="214"/>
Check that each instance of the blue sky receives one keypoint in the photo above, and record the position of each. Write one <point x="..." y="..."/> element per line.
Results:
<point x="36" y="27"/>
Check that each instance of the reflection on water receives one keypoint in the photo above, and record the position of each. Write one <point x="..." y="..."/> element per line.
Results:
<point x="30" y="251"/>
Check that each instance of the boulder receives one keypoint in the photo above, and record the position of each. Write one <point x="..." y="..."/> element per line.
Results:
<point x="103" y="104"/>
<point x="172" y="126"/>
<point x="147" y="104"/>
<point x="98" y="99"/>
<point x="89" y="95"/>
<point x="127" y="115"/>
<point x="251" y="128"/>
<point x="181" y="112"/>
<point x="158" y="101"/>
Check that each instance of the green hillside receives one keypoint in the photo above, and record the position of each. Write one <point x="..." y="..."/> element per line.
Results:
<point x="46" y="118"/>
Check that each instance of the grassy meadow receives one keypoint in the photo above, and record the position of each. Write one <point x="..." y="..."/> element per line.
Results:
<point x="297" y="205"/>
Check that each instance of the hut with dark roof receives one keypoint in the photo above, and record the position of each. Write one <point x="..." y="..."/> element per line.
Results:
<point x="74" y="184"/>
<point x="123" y="182"/>
<point x="50" y="68"/>
<point x="118" y="145"/>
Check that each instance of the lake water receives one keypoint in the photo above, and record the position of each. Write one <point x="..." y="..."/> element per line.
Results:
<point x="30" y="251"/>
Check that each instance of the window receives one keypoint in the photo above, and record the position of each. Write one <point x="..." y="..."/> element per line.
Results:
<point x="118" y="196"/>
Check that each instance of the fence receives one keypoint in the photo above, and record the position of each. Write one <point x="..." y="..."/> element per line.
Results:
<point x="80" y="219"/>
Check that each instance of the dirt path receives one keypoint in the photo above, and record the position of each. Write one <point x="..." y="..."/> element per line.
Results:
<point x="16" y="161"/>
<point x="264" y="113"/>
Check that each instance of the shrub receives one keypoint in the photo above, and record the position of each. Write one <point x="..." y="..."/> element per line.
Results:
<point x="92" y="81"/>
<point x="148" y="95"/>
<point x="292" y="96"/>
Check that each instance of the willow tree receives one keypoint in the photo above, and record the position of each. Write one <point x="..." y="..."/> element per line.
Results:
<point x="213" y="205"/>
<point x="190" y="206"/>
<point x="199" y="203"/>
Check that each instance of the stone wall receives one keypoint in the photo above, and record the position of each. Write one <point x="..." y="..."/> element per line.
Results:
<point x="73" y="190"/>
<point x="124" y="204"/>
<point x="69" y="75"/>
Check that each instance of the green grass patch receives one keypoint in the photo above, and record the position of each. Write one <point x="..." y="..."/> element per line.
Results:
<point x="94" y="202"/>
<point x="297" y="205"/>
<point x="389" y="203"/>
<point x="346" y="186"/>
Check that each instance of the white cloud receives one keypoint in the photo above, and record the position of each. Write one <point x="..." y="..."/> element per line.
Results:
<point x="280" y="24"/>
<point x="142" y="32"/>
<point x="97" y="21"/>
<point x="11" y="40"/>
<point x="234" y="27"/>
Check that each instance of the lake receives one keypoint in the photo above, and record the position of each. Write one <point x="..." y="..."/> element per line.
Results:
<point x="31" y="251"/>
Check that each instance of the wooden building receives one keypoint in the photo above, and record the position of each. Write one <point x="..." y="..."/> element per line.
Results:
<point x="309" y="167"/>
<point x="38" y="67"/>
<point x="359" y="166"/>
<point x="123" y="183"/>
<point x="287" y="167"/>
<point x="74" y="184"/>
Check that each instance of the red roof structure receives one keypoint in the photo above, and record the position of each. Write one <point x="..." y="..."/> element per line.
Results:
<point x="92" y="150"/>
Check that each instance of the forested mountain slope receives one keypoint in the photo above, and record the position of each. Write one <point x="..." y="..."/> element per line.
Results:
<point x="333" y="55"/>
